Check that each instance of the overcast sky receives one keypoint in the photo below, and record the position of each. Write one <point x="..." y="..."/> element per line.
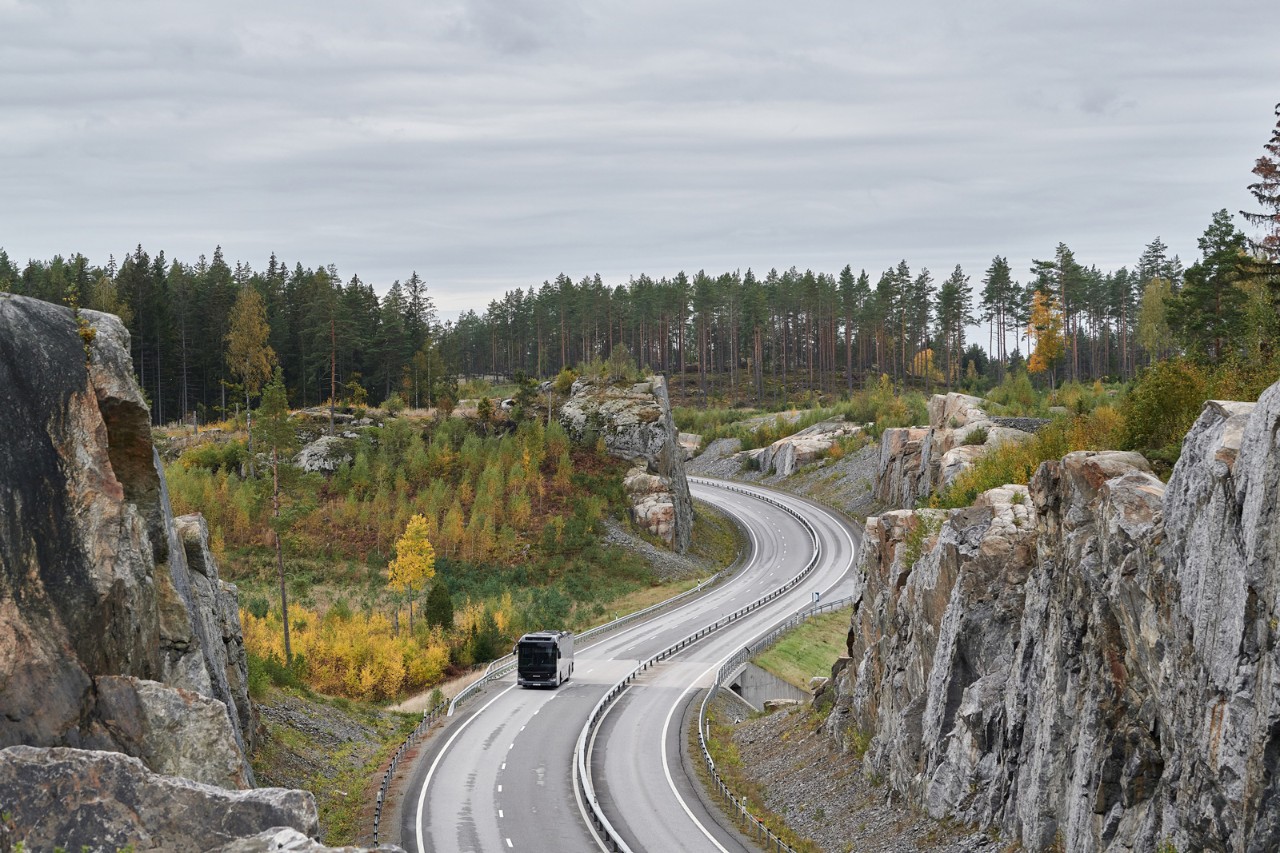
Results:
<point x="495" y="143"/>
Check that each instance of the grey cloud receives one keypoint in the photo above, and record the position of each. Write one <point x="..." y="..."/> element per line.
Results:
<point x="494" y="144"/>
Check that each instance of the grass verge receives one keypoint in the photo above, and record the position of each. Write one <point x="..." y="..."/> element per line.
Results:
<point x="809" y="650"/>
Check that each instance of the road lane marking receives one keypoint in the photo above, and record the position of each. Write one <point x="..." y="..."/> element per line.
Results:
<point x="509" y="844"/>
<point x="499" y="789"/>
<point x="422" y="797"/>
<point x="499" y="812"/>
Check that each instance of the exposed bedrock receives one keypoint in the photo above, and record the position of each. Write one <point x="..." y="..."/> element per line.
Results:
<point x="635" y="423"/>
<point x="73" y="799"/>
<point x="1090" y="661"/>
<point x="918" y="461"/>
<point x="94" y="580"/>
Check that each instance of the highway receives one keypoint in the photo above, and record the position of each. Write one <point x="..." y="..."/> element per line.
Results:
<point x="499" y="778"/>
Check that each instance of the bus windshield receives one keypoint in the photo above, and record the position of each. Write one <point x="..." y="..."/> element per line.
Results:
<point x="540" y="656"/>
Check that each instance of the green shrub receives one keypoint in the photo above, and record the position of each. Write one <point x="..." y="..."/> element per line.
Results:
<point x="1015" y="462"/>
<point x="394" y="404"/>
<point x="225" y="456"/>
<point x="1015" y="395"/>
<point x="1162" y="406"/>
<point x="976" y="436"/>
<point x="269" y="670"/>
<point x="259" y="607"/>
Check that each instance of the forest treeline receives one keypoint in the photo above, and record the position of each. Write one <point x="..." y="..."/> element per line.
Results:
<point x="736" y="335"/>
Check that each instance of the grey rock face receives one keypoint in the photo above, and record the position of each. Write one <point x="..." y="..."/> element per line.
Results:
<point x="284" y="840"/>
<point x="635" y="424"/>
<point x="108" y="801"/>
<point x="327" y="453"/>
<point x="917" y="461"/>
<point x="94" y="581"/>
<point x="1092" y="662"/>
<point x="787" y="454"/>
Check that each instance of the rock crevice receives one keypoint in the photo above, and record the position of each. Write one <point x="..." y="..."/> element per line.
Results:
<point x="1090" y="661"/>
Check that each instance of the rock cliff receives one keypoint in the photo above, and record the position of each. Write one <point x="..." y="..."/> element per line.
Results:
<point x="116" y="633"/>
<point x="635" y="424"/>
<point x="787" y="454"/>
<point x="917" y="461"/>
<point x="1091" y="661"/>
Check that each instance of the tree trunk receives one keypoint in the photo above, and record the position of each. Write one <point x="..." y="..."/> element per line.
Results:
<point x="275" y="513"/>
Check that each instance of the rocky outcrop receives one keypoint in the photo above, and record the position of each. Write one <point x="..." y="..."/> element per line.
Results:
<point x="94" y="579"/>
<point x="79" y="799"/>
<point x="1091" y="662"/>
<point x="326" y="454"/>
<point x="787" y="454"/>
<point x="634" y="422"/>
<point x="917" y="461"/>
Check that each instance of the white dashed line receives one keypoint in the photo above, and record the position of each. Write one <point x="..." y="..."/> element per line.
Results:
<point x="499" y="789"/>
<point x="499" y="812"/>
<point x="509" y="844"/>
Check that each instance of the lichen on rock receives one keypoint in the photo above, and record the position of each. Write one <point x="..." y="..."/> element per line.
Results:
<point x="635" y="424"/>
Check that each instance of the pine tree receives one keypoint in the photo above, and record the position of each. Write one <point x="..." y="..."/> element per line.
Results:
<point x="276" y="434"/>
<point x="1207" y="312"/>
<point x="1267" y="192"/>
<point x="438" y="609"/>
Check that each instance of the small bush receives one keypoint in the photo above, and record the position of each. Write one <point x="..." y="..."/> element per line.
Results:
<point x="227" y="456"/>
<point x="1162" y="406"/>
<point x="976" y="436"/>
<point x="259" y="607"/>
<point x="393" y="405"/>
<point x="1016" y="396"/>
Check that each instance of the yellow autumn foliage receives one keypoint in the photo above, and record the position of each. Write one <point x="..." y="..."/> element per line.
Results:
<point x="359" y="657"/>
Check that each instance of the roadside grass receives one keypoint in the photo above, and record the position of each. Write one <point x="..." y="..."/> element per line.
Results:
<point x="809" y="650"/>
<point x="724" y="752"/>
<point x="715" y="536"/>
<point x="647" y="597"/>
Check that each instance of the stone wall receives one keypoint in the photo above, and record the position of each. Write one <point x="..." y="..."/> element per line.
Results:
<point x="1090" y="662"/>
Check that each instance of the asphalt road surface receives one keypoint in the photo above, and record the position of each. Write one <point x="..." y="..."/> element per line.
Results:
<point x="499" y="777"/>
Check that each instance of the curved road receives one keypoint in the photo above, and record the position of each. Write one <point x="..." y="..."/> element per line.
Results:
<point x="499" y="778"/>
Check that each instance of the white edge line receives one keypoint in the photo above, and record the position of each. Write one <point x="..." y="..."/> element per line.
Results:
<point x="422" y="797"/>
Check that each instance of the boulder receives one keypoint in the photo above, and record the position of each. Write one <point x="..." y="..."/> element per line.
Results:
<point x="634" y="422"/>
<point x="326" y="454"/>
<point x="71" y="798"/>
<point x="788" y="454"/>
<point x="690" y="442"/>
<point x="175" y="732"/>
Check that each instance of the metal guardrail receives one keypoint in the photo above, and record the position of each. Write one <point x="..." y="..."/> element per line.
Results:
<point x="730" y="667"/>
<point x="429" y="718"/>
<point x="581" y="773"/>
<point x="505" y="664"/>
